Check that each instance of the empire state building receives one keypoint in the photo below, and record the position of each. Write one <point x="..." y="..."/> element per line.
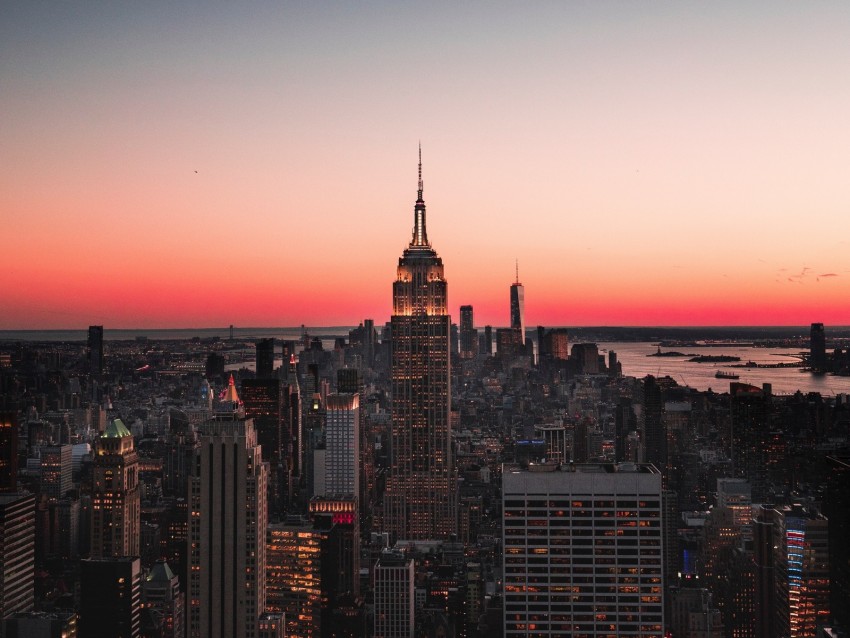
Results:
<point x="420" y="496"/>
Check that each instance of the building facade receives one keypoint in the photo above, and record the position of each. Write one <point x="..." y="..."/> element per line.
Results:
<point x="518" y="311"/>
<point x="342" y="445"/>
<point x="227" y="522"/>
<point x="116" y="499"/>
<point x="419" y="500"/>
<point x="394" y="596"/>
<point x="17" y="553"/>
<point x="468" y="334"/>
<point x="583" y="550"/>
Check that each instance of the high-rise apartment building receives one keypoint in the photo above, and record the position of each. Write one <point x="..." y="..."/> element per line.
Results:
<point x="419" y="500"/>
<point x="227" y="524"/>
<point x="518" y="310"/>
<point x="342" y="445"/>
<point x="583" y="550"/>
<point x="468" y="334"/>
<point x="394" y="596"/>
<point x="116" y="497"/>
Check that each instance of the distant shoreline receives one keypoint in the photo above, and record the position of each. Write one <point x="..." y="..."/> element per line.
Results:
<point x="576" y="334"/>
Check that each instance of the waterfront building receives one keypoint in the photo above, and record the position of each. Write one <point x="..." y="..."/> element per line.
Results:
<point x="817" y="348"/>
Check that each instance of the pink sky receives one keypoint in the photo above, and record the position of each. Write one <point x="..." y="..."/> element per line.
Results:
<point x="647" y="165"/>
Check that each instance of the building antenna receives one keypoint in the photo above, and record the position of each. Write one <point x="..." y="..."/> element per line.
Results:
<point x="420" y="170"/>
<point x="517" y="271"/>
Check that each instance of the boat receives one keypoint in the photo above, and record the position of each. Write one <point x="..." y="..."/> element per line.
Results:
<point x="722" y="374"/>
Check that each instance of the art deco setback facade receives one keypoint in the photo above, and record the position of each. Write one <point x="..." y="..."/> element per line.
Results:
<point x="419" y="501"/>
<point x="583" y="550"/>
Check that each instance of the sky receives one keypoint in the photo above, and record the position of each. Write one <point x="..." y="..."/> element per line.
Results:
<point x="206" y="164"/>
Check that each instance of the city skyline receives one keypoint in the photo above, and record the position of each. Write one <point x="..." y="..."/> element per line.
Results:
<point x="647" y="165"/>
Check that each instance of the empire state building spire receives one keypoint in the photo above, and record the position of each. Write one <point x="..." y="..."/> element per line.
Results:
<point x="420" y="235"/>
<point x="420" y="495"/>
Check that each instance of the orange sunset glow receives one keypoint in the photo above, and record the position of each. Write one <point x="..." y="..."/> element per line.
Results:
<point x="645" y="164"/>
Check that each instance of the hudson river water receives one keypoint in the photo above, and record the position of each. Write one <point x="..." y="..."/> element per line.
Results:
<point x="632" y="355"/>
<point x="636" y="363"/>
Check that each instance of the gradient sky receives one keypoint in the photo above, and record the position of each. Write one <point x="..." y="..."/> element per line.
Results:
<point x="648" y="163"/>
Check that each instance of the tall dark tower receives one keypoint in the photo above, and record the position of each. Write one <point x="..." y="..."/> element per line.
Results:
<point x="468" y="335"/>
<point x="265" y="358"/>
<point x="817" y="345"/>
<point x="518" y="310"/>
<point x="419" y="501"/>
<point x="94" y="351"/>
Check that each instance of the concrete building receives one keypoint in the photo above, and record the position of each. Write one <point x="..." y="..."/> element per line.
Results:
<point x="17" y="553"/>
<point x="116" y="499"/>
<point x="227" y="523"/>
<point x="583" y="550"/>
<point x="56" y="471"/>
<point x="468" y="334"/>
<point x="342" y="445"/>
<point x="394" y="596"/>
<point x="110" y="598"/>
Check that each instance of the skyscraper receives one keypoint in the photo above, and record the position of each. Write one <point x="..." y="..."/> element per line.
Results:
<point x="342" y="445"/>
<point x="265" y="358"/>
<point x="110" y="598"/>
<point x="56" y="471"/>
<point x="394" y="596"/>
<point x="116" y="499"/>
<point x="518" y="309"/>
<point x="8" y="452"/>
<point x="468" y="335"/>
<point x="419" y="501"/>
<point x="17" y="553"/>
<point x="294" y="575"/>
<point x="263" y="400"/>
<point x="801" y="560"/>
<point x="227" y="523"/>
<point x="583" y="550"/>
<point x="94" y="351"/>
<point x="817" y="348"/>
